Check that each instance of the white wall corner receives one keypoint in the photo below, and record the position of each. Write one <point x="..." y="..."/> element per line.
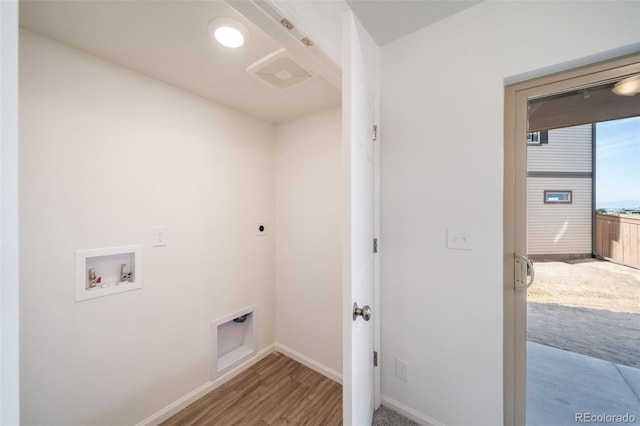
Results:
<point x="308" y="362"/>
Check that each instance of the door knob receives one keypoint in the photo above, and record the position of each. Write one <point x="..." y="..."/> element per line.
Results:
<point x="364" y="312"/>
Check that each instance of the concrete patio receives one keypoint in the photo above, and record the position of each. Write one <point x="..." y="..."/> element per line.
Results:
<point x="565" y="388"/>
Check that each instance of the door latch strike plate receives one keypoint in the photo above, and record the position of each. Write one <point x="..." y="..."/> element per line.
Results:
<point x="375" y="245"/>
<point x="375" y="358"/>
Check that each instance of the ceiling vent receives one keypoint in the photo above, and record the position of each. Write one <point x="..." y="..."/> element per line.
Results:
<point x="280" y="70"/>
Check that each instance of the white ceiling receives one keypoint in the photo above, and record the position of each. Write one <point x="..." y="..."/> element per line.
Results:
<point x="388" y="20"/>
<point x="168" y="40"/>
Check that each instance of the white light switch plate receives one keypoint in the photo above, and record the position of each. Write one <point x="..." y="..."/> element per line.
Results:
<point x="459" y="239"/>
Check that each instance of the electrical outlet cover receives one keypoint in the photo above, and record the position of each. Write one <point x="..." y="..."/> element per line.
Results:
<point x="159" y="236"/>
<point x="402" y="369"/>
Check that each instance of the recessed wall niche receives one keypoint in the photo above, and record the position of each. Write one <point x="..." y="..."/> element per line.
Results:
<point x="234" y="340"/>
<point x="107" y="271"/>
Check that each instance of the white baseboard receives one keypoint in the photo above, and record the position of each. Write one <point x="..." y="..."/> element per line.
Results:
<point x="409" y="412"/>
<point x="306" y="361"/>
<point x="174" y="407"/>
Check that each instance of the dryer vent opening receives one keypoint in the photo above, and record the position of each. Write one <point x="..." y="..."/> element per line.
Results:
<point x="280" y="70"/>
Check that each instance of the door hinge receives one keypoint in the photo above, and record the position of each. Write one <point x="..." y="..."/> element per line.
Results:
<point x="375" y="358"/>
<point x="374" y="133"/>
<point x="375" y="245"/>
<point x="287" y="24"/>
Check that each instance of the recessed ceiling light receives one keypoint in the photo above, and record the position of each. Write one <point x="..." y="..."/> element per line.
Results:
<point x="628" y="87"/>
<point x="228" y="32"/>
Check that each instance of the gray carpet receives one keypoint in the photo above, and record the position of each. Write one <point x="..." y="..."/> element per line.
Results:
<point x="385" y="416"/>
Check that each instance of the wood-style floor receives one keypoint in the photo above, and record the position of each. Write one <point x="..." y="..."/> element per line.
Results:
<point x="275" y="391"/>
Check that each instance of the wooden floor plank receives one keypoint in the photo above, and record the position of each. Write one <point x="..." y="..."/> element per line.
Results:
<point x="318" y="405"/>
<point x="275" y="391"/>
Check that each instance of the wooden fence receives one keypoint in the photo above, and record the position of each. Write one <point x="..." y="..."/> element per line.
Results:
<point x="618" y="238"/>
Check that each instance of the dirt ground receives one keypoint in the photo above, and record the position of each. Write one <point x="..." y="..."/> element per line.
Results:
<point x="587" y="306"/>
<point x="587" y="283"/>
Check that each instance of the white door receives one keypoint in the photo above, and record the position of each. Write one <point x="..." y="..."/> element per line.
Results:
<point x="360" y="88"/>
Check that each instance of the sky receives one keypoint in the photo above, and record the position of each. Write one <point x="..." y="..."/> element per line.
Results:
<point x="618" y="162"/>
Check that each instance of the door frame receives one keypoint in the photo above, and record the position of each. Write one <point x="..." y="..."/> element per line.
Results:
<point x="515" y="208"/>
<point x="9" y="289"/>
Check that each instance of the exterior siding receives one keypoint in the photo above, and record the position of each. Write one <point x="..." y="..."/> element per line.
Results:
<point x="559" y="228"/>
<point x="564" y="229"/>
<point x="568" y="150"/>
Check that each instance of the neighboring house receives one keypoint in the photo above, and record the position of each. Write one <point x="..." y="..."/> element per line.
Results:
<point x="560" y="192"/>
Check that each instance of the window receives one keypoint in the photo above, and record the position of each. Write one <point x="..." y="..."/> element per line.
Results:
<point x="558" y="197"/>
<point x="538" y="138"/>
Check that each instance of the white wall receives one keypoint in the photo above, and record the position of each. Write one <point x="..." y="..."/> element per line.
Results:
<point x="105" y="154"/>
<point x="308" y="233"/>
<point x="9" y="340"/>
<point x="442" y="159"/>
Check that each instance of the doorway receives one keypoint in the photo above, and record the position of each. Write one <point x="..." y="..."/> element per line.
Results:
<point x="583" y="318"/>
<point x="518" y="100"/>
